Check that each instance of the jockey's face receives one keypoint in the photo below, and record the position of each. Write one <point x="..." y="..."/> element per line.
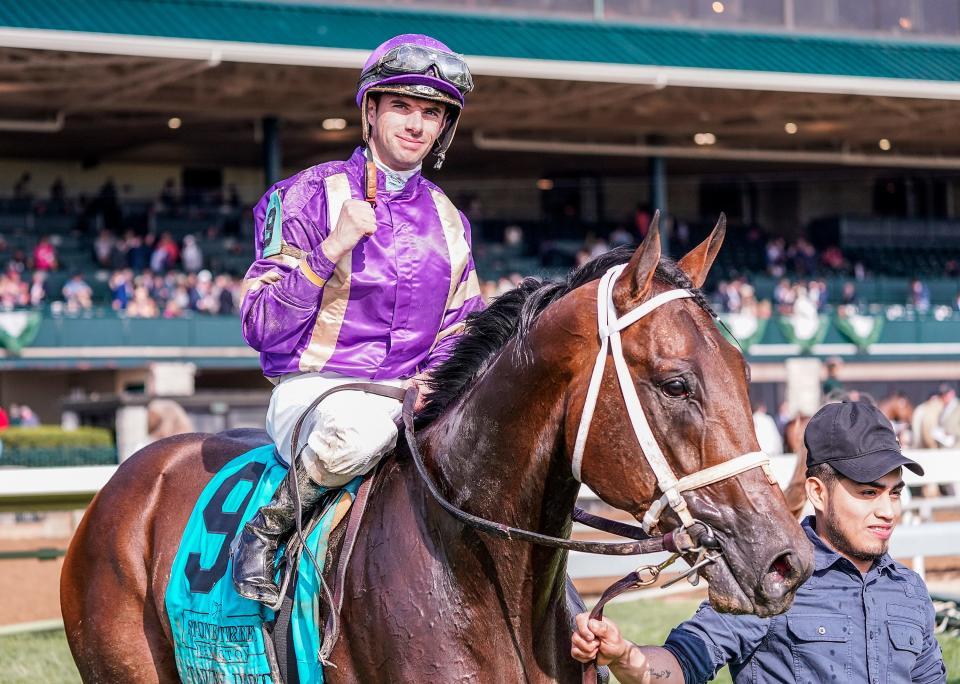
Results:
<point x="403" y="129"/>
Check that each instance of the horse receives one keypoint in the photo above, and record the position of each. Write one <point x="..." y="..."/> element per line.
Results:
<point x="426" y="597"/>
<point x="795" y="493"/>
<point x="899" y="411"/>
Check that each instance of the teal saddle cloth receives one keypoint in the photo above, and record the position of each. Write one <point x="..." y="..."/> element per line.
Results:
<point x="218" y="635"/>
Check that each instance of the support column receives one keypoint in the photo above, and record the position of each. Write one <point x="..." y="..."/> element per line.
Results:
<point x="803" y="385"/>
<point x="167" y="379"/>
<point x="132" y="431"/>
<point x="658" y="199"/>
<point x="271" y="149"/>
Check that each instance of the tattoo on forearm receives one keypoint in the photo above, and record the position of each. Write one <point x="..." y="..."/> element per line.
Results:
<point x="660" y="674"/>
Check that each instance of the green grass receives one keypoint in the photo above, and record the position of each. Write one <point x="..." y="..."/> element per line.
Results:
<point x="649" y="622"/>
<point x="44" y="656"/>
<point x="37" y="657"/>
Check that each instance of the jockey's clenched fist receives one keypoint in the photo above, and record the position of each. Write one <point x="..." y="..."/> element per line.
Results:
<point x="357" y="221"/>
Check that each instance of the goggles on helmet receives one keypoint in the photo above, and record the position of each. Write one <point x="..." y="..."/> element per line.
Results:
<point x="417" y="59"/>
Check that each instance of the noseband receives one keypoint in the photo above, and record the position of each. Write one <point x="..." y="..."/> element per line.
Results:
<point x="609" y="326"/>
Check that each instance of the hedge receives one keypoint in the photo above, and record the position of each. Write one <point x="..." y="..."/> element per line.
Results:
<point x="50" y="446"/>
<point x="53" y="437"/>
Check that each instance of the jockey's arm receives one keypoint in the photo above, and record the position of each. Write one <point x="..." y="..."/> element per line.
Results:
<point x="465" y="298"/>
<point x="630" y="663"/>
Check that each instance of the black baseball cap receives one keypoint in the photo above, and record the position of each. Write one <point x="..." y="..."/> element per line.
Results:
<point x="857" y="440"/>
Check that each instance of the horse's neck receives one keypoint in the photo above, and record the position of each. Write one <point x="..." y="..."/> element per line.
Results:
<point x="498" y="454"/>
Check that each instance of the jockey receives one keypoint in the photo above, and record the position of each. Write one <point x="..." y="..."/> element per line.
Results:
<point x="355" y="283"/>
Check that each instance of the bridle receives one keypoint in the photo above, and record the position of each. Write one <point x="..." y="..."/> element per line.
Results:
<point x="609" y="326"/>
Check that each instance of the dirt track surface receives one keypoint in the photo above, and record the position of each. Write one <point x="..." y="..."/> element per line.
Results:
<point x="31" y="588"/>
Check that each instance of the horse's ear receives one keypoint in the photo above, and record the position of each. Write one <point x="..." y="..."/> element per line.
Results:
<point x="633" y="285"/>
<point x="696" y="264"/>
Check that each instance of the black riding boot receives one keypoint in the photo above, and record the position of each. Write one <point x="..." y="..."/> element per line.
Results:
<point x="253" y="556"/>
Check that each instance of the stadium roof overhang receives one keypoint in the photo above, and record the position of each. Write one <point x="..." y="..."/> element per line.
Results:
<point x="106" y="74"/>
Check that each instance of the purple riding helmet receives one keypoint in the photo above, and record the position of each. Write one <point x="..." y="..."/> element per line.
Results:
<point x="417" y="66"/>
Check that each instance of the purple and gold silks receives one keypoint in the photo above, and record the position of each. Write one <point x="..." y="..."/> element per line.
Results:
<point x="390" y="309"/>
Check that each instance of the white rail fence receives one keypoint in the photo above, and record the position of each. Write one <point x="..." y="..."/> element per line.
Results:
<point x="918" y="537"/>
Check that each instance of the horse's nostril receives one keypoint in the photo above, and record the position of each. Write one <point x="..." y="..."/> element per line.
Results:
<point x="781" y="567"/>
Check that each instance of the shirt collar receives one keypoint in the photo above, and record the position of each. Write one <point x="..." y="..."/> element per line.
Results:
<point x="407" y="180"/>
<point x="824" y="556"/>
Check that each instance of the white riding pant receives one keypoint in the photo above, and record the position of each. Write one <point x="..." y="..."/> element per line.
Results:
<point x="345" y="436"/>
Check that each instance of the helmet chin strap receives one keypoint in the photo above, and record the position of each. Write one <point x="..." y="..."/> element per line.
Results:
<point x="609" y="326"/>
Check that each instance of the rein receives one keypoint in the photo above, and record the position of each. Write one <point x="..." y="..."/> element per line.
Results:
<point x="678" y="541"/>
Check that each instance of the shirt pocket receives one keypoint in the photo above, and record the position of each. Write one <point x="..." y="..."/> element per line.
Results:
<point x="906" y="643"/>
<point x="820" y="644"/>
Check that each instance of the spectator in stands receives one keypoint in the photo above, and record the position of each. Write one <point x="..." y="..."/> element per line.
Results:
<point x="803" y="255"/>
<point x="159" y="287"/>
<point x="18" y="262"/>
<point x="103" y="248"/>
<point x="58" y="196"/>
<point x="38" y="288"/>
<point x="202" y="298"/>
<point x="77" y="294"/>
<point x="848" y="297"/>
<point x="192" y="256"/>
<point x="14" y="293"/>
<point x="4" y="419"/>
<point x="161" y="258"/>
<point x="108" y="205"/>
<point x="22" y="190"/>
<point x="120" y="290"/>
<point x="139" y="251"/>
<point x="832" y="258"/>
<point x="597" y="246"/>
<point x="817" y="292"/>
<point x="45" y="255"/>
<point x="226" y="304"/>
<point x="168" y="199"/>
<point x="641" y="220"/>
<point x="581" y="257"/>
<point x="919" y="296"/>
<point x="620" y="237"/>
<point x="859" y="271"/>
<point x="776" y="256"/>
<point x="142" y="305"/>
<point x="173" y="308"/>
<point x="784" y="295"/>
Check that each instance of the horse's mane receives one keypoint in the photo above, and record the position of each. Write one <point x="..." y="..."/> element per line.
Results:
<point x="512" y="315"/>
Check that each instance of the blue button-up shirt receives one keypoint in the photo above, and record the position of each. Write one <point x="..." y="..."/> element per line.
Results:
<point x="843" y="626"/>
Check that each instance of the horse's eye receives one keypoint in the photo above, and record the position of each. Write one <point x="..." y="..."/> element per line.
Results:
<point x="675" y="388"/>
